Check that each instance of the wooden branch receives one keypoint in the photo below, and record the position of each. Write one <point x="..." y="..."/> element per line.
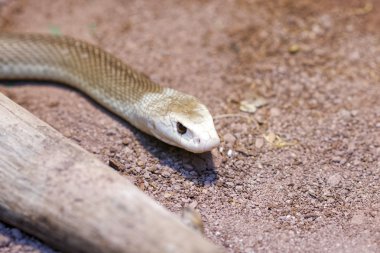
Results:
<point x="58" y="192"/>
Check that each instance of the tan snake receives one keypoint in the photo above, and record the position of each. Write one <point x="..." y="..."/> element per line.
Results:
<point x="171" y="116"/>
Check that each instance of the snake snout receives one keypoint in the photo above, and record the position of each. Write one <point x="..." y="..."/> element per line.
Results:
<point x="204" y="143"/>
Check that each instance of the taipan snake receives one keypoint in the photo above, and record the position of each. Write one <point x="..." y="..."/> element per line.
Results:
<point x="169" y="115"/>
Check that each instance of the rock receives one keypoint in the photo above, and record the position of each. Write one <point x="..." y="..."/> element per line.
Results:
<point x="147" y="175"/>
<point x="67" y="133"/>
<point x="198" y="163"/>
<point x="259" y="143"/>
<point x="188" y="167"/>
<point x="128" y="151"/>
<point x="140" y="163"/>
<point x="4" y="241"/>
<point x="311" y="216"/>
<point x="249" y="250"/>
<point x="229" y="139"/>
<point x="293" y="49"/>
<point x="168" y="195"/>
<point x="216" y="159"/>
<point x="193" y="204"/>
<point x="137" y="169"/>
<point x="16" y="234"/>
<point x="336" y="159"/>
<point x="111" y="132"/>
<point x="215" y="153"/>
<point x="345" y="114"/>
<point x="334" y="180"/>
<point x="165" y="174"/>
<point x="115" y="164"/>
<point x="287" y="218"/>
<point x="125" y="141"/>
<point x="211" y="178"/>
<point x="152" y="169"/>
<point x="357" y="219"/>
<point x="230" y="184"/>
<point x="251" y="105"/>
<point x="275" y="112"/>
<point x="143" y="159"/>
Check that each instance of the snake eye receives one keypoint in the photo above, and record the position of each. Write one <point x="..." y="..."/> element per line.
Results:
<point x="181" y="129"/>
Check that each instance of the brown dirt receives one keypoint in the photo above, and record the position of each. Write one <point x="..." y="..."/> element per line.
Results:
<point x="320" y="194"/>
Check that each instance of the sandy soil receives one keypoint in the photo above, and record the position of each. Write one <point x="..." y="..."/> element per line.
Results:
<point x="302" y="173"/>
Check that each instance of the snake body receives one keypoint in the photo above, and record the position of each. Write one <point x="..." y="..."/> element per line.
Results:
<point x="171" y="116"/>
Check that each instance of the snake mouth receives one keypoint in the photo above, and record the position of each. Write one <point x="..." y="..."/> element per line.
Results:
<point x="206" y="146"/>
<point x="195" y="145"/>
<point x="202" y="143"/>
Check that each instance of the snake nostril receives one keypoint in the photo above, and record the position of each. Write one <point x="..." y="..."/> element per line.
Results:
<point x="197" y="140"/>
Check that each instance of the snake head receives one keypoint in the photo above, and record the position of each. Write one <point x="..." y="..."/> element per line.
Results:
<point x="186" y="123"/>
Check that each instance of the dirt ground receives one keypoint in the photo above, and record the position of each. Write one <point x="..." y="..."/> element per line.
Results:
<point x="300" y="174"/>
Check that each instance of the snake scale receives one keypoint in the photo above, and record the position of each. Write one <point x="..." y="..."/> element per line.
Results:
<point x="169" y="115"/>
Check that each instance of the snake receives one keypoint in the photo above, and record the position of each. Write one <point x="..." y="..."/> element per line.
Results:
<point x="169" y="115"/>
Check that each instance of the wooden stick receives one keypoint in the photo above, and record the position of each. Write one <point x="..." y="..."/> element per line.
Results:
<point x="58" y="192"/>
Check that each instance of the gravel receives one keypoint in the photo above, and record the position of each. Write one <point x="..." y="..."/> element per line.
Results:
<point x="315" y="63"/>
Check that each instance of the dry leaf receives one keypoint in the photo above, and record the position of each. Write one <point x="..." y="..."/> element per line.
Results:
<point x="277" y="141"/>
<point x="367" y="8"/>
<point x="251" y="105"/>
<point x="293" y="49"/>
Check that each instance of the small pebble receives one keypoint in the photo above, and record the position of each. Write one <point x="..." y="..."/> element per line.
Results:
<point x="193" y="204"/>
<point x="187" y="166"/>
<point x="229" y="139"/>
<point x="336" y="159"/>
<point x="168" y="195"/>
<point x="151" y="169"/>
<point x="4" y="241"/>
<point x="67" y="133"/>
<point x="146" y="175"/>
<point x="166" y="174"/>
<point x="198" y="163"/>
<point x="53" y="103"/>
<point x="345" y="114"/>
<point x="275" y="112"/>
<point x="111" y="132"/>
<point x="293" y="49"/>
<point x="259" y="143"/>
<point x="334" y="180"/>
<point x="357" y="219"/>
<point x="249" y="250"/>
<point x="215" y="153"/>
<point x="230" y="184"/>
<point x="115" y="164"/>
<point x="16" y="233"/>
<point x="311" y="215"/>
